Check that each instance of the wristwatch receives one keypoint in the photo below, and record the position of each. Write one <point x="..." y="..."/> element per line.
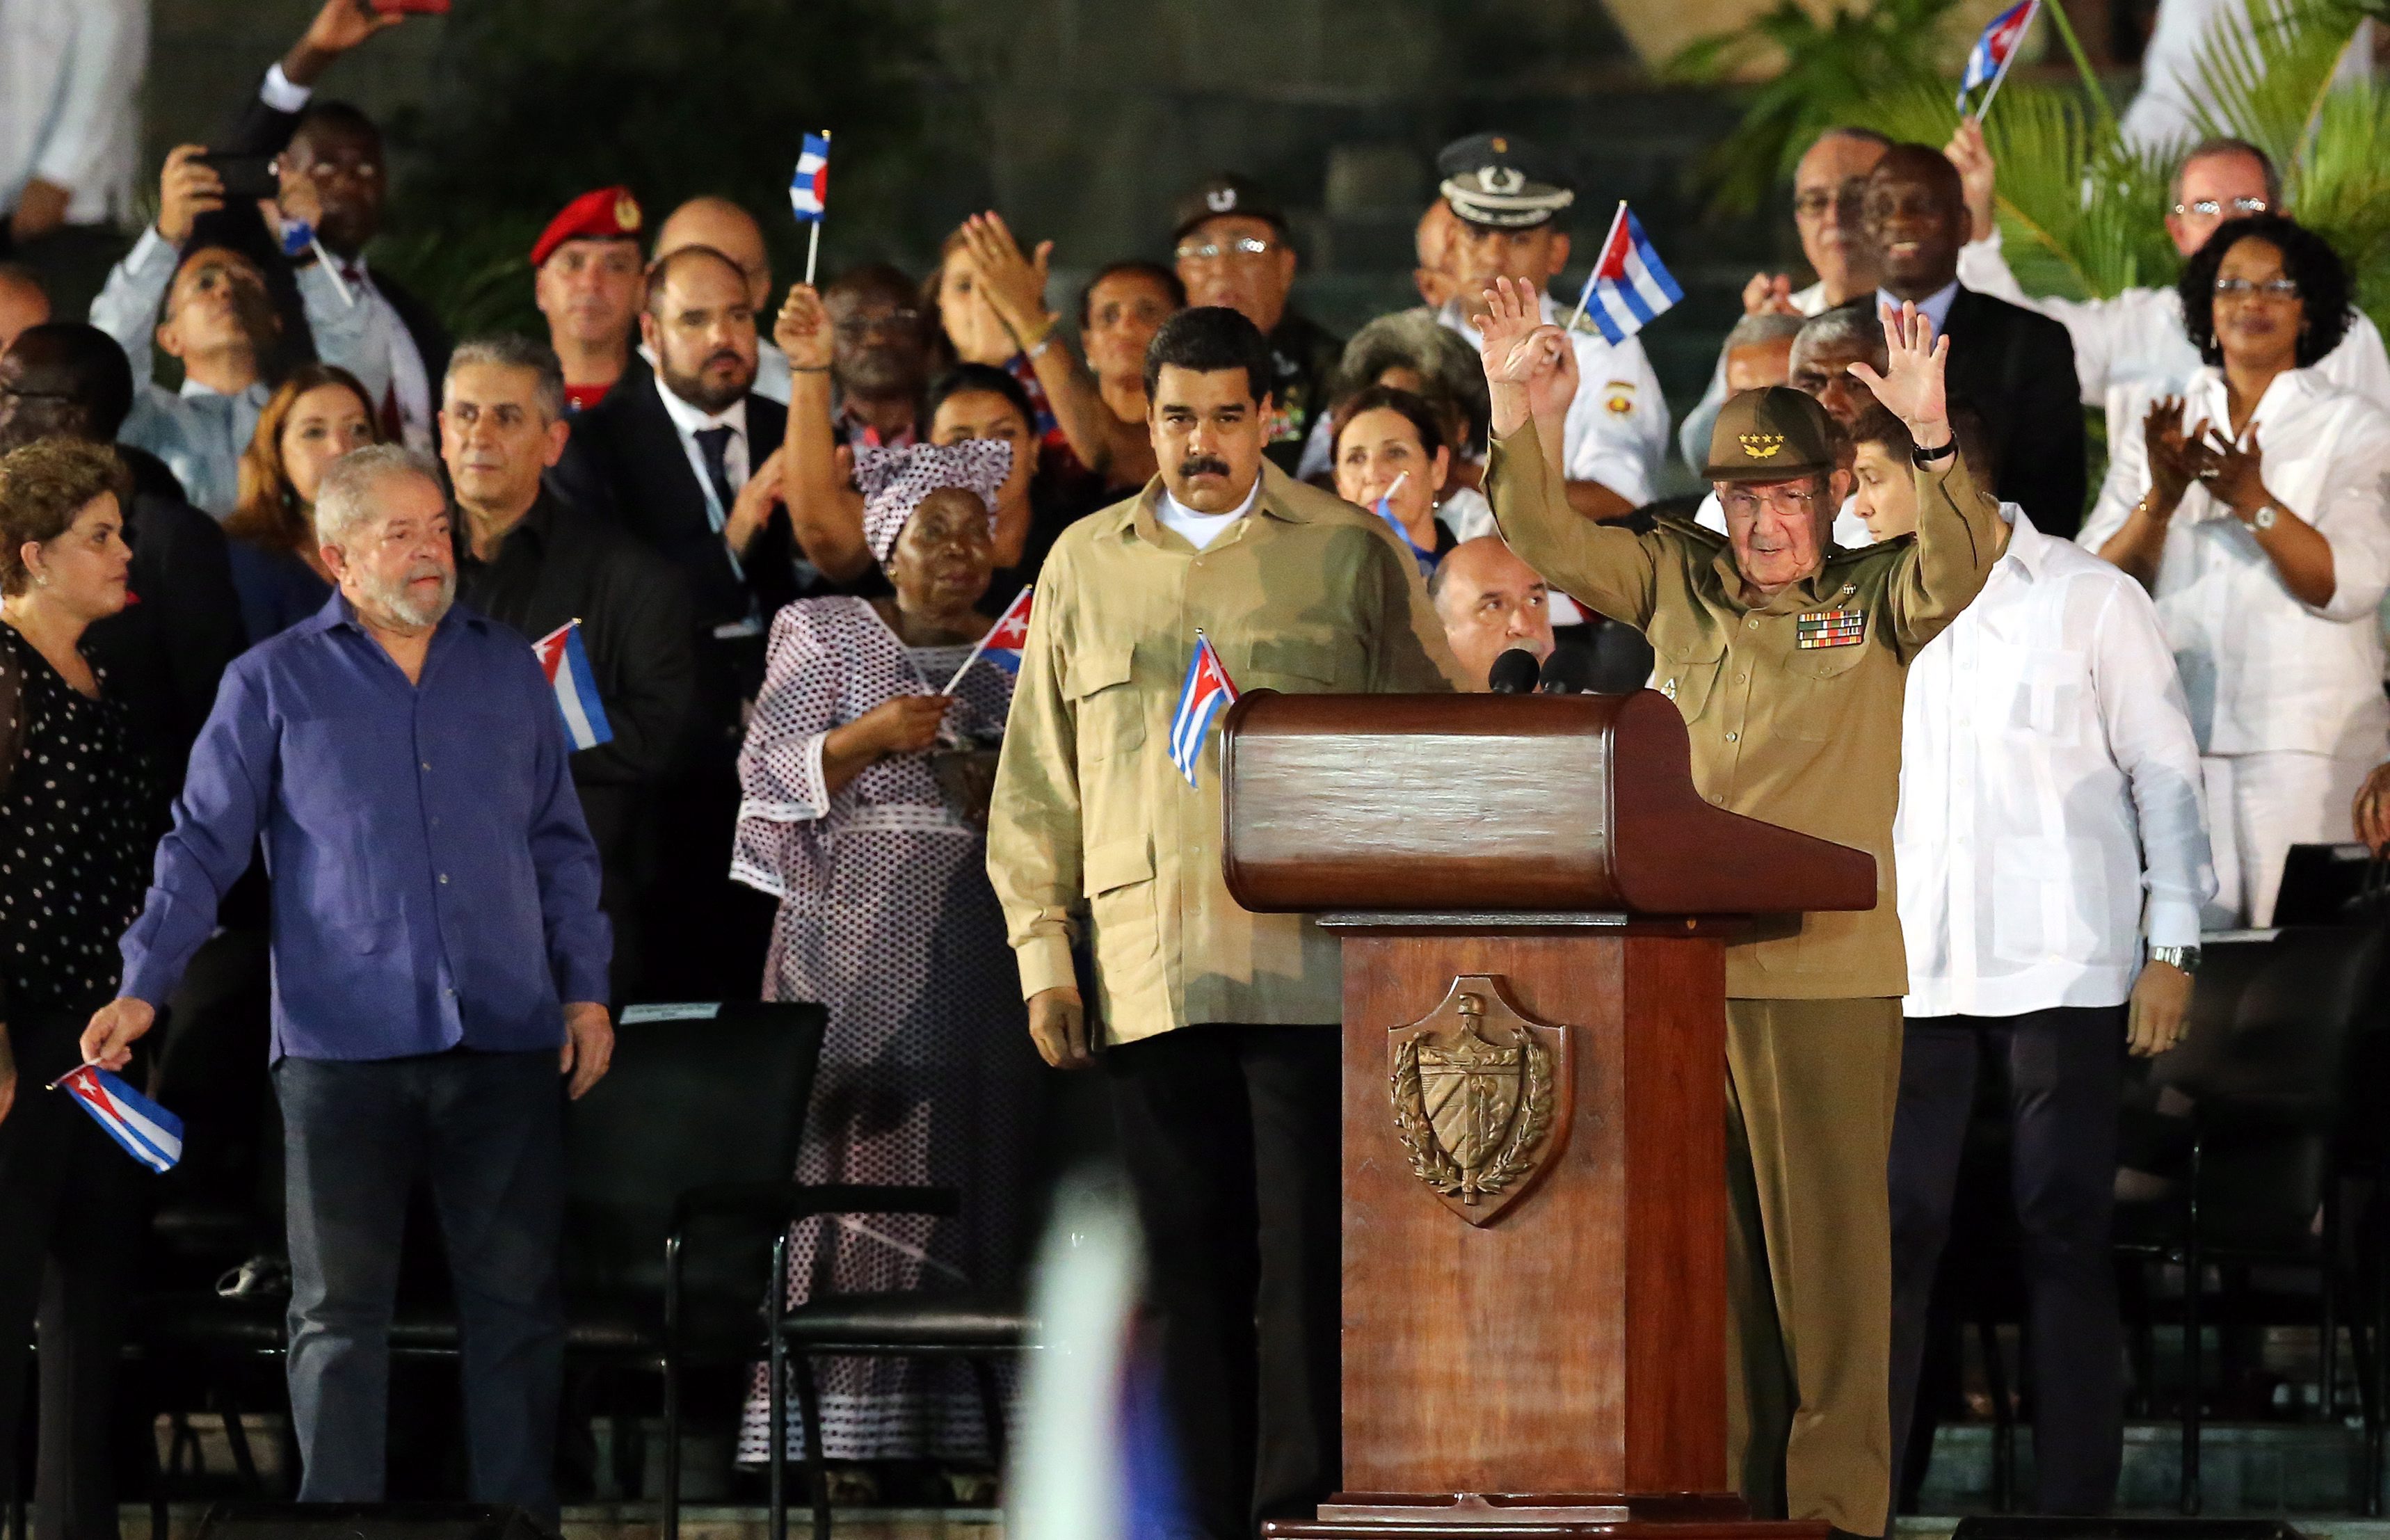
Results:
<point x="1926" y="460"/>
<point x="2265" y="516"/>
<point x="2184" y="958"/>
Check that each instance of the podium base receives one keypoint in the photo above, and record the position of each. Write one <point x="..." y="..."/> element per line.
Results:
<point x="1542" y="1516"/>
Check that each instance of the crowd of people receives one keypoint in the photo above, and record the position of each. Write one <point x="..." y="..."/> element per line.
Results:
<point x="272" y="701"/>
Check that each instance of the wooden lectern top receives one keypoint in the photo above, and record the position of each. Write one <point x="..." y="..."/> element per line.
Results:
<point x="1448" y="802"/>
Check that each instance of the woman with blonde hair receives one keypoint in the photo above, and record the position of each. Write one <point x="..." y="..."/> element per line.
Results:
<point x="320" y="413"/>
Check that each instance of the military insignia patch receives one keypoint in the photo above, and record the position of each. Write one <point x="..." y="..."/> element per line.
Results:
<point x="1762" y="447"/>
<point x="626" y="214"/>
<point x="1830" y="628"/>
<point x="1620" y="399"/>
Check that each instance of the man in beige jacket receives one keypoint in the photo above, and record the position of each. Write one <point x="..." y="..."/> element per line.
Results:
<point x="1788" y="660"/>
<point x="1216" y="1025"/>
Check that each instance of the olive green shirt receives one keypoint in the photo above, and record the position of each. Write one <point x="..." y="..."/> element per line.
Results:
<point x="1805" y="737"/>
<point x="1306" y="594"/>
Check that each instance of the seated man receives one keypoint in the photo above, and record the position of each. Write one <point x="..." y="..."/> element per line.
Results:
<point x="1788" y="659"/>
<point x="1490" y="601"/>
<point x="2049" y="780"/>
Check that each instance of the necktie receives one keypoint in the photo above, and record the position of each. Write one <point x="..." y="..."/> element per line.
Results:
<point x="713" y="443"/>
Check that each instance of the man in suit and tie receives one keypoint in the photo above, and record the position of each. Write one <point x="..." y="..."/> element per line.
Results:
<point x="2013" y="366"/>
<point x="690" y="466"/>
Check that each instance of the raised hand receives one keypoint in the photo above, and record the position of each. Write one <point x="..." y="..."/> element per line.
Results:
<point x="2176" y="457"/>
<point x="1013" y="284"/>
<point x="1552" y="375"/>
<point x="804" y="330"/>
<point x="1768" y="294"/>
<point x="1910" y="388"/>
<point x="1978" y="175"/>
<point x="1511" y="314"/>
<point x="187" y="188"/>
<point x="339" y="26"/>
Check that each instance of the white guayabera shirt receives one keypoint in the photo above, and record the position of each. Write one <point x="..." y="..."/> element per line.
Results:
<point x="2049" y="792"/>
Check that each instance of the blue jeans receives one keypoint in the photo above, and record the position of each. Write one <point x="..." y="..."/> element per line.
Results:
<point x="487" y="1131"/>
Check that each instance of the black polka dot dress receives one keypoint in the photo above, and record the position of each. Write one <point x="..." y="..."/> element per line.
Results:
<point x="74" y="849"/>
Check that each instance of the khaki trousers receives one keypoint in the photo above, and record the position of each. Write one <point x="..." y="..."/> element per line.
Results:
<point x="1811" y="1086"/>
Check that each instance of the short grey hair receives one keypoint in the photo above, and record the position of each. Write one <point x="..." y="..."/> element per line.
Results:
<point x="344" y="499"/>
<point x="2221" y="144"/>
<point x="1415" y="339"/>
<point x="1853" y="325"/>
<point x="511" y="351"/>
<point x="1772" y="326"/>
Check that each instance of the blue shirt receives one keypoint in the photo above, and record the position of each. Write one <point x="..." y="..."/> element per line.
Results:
<point x="1934" y="307"/>
<point x="433" y="881"/>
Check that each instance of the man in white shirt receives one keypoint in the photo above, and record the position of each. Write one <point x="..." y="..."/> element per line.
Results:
<point x="2049" y="821"/>
<point x="1829" y="188"/>
<point x="2132" y="349"/>
<point x="1507" y="193"/>
<point x="731" y="230"/>
<point x="70" y="112"/>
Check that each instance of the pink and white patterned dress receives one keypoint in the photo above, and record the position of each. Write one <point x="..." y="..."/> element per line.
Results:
<point x="927" y="1073"/>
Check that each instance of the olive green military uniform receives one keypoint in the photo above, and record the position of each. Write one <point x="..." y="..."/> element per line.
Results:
<point x="1794" y="705"/>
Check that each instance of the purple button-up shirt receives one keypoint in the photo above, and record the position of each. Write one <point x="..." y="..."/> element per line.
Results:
<point x="433" y="881"/>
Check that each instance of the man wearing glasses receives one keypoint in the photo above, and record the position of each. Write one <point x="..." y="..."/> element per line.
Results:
<point x="2131" y="350"/>
<point x="1231" y="249"/>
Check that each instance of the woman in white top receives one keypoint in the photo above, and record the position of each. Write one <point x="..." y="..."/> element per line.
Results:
<point x="2254" y="508"/>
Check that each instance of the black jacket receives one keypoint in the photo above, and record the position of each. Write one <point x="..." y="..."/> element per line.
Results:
<point x="166" y="652"/>
<point x="260" y="130"/>
<point x="626" y="464"/>
<point x="2016" y="369"/>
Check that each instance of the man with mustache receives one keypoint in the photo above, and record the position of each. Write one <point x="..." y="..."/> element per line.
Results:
<point x="1214" y="1026"/>
<point x="434" y="891"/>
<point x="2016" y="369"/>
<point x="1788" y="659"/>
<point x="689" y="464"/>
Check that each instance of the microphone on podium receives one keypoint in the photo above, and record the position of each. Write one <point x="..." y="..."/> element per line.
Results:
<point x="1569" y="671"/>
<point x="1514" y="672"/>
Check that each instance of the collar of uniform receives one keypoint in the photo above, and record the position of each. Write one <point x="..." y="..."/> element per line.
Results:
<point x="1139" y="517"/>
<point x="2028" y="548"/>
<point x="689" y="420"/>
<point x="1804" y="595"/>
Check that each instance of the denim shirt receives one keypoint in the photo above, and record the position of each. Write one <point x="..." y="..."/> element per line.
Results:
<point x="433" y="883"/>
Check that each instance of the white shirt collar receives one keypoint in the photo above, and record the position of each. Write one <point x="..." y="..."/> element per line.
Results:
<point x="1179" y="509"/>
<point x="689" y="419"/>
<point x="2205" y="395"/>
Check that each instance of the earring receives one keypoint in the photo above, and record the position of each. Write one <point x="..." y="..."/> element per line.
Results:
<point x="42" y="578"/>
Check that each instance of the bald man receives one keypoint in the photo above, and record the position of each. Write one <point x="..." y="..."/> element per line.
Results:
<point x="725" y="228"/>
<point x="23" y="302"/>
<point x="1490" y="601"/>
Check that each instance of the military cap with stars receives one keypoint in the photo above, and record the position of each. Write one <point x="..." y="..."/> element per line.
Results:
<point x="1502" y="180"/>
<point x="1777" y="434"/>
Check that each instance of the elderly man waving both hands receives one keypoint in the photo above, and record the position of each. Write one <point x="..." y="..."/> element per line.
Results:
<point x="1788" y="659"/>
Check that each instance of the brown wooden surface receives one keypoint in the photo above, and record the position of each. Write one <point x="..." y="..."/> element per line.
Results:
<point x="1455" y="802"/>
<point x="1577" y="1342"/>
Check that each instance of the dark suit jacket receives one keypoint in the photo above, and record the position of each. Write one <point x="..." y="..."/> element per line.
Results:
<point x="2016" y="369"/>
<point x="166" y="652"/>
<point x="260" y="130"/>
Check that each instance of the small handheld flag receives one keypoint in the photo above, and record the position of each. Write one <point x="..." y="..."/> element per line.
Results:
<point x="1206" y="694"/>
<point x="1994" y="52"/>
<point x="809" y="192"/>
<point x="1385" y="510"/>
<point x="1003" y="642"/>
<point x="566" y="663"/>
<point x="148" y="1133"/>
<point x="298" y="239"/>
<point x="1629" y="285"/>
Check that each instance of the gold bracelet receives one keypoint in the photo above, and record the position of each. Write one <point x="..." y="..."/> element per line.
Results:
<point x="1038" y="336"/>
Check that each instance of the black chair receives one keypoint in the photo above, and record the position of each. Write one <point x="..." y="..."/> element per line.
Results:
<point x="2266" y="1062"/>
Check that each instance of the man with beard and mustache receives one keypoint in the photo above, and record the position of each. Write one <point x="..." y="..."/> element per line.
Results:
<point x="439" y="964"/>
<point x="690" y="466"/>
<point x="2015" y="367"/>
<point x="1217" y="1025"/>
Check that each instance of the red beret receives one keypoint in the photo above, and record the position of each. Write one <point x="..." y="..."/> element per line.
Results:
<point x="609" y="213"/>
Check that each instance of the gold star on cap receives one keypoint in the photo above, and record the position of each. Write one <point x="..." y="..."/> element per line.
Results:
<point x="1762" y="447"/>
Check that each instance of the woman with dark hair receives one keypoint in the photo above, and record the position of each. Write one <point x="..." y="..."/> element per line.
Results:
<point x="75" y="838"/>
<point x="977" y="401"/>
<point x="320" y="413"/>
<point x="1391" y="445"/>
<point x="2253" y="507"/>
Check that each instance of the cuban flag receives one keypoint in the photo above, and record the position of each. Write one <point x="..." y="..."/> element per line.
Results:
<point x="1206" y="694"/>
<point x="566" y="663"/>
<point x="1008" y="634"/>
<point x="148" y="1133"/>
<point x="1989" y="58"/>
<point x="297" y="236"/>
<point x="1629" y="285"/>
<point x="1386" y="509"/>
<point x="809" y="189"/>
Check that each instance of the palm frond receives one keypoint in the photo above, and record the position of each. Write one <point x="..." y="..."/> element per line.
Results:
<point x="478" y="279"/>
<point x="2263" y="68"/>
<point x="2340" y="188"/>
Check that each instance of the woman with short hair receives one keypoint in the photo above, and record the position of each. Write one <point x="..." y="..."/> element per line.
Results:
<point x="2253" y="507"/>
<point x="75" y="838"/>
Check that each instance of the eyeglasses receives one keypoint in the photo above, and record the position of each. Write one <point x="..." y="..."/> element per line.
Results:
<point x="2208" y="208"/>
<point x="1819" y="201"/>
<point x="887" y="321"/>
<point x="1793" y="501"/>
<point x="1244" y="249"/>
<point x="2272" y="289"/>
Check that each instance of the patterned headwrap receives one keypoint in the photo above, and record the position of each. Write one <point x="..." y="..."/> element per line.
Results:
<point x="893" y="482"/>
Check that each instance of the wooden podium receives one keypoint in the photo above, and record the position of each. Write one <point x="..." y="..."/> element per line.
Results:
<point x="1534" y="902"/>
